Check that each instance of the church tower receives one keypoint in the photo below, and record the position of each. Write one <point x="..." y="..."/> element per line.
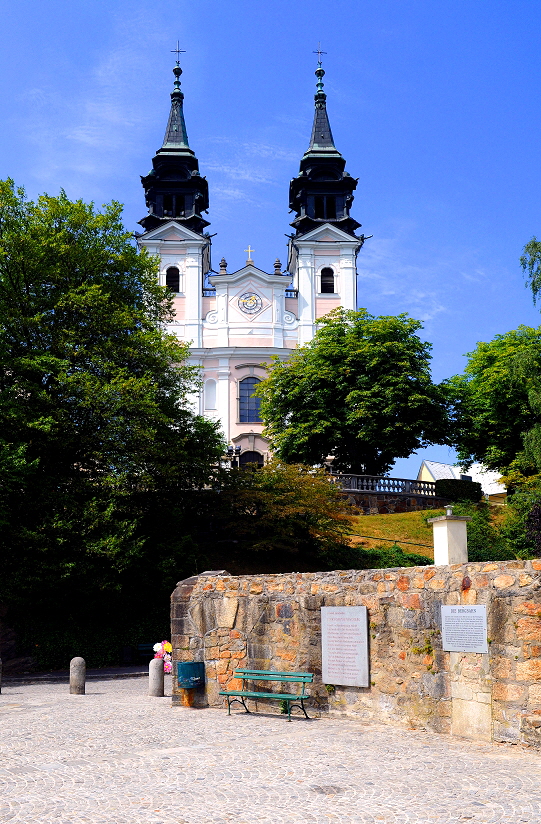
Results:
<point x="236" y="321"/>
<point x="173" y="187"/>
<point x="176" y="196"/>
<point x="323" y="251"/>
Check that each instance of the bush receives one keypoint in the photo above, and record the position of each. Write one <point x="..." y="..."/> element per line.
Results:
<point x="519" y="527"/>
<point x="455" y="490"/>
<point x="386" y="557"/>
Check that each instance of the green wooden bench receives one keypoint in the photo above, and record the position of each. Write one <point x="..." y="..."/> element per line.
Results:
<point x="268" y="675"/>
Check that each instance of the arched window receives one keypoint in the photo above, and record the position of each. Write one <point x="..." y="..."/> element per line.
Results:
<point x="250" y="458"/>
<point x="179" y="205"/>
<point x="168" y="205"/>
<point x="248" y="405"/>
<point x="172" y="279"/>
<point x="210" y="394"/>
<point x="327" y="281"/>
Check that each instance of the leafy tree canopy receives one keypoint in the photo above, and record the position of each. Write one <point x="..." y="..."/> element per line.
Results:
<point x="361" y="390"/>
<point x="284" y="508"/>
<point x="531" y="266"/>
<point x="495" y="399"/>
<point x="94" y="411"/>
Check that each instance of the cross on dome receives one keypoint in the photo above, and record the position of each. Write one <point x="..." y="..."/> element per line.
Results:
<point x="249" y="251"/>
<point x="319" y="52"/>
<point x="178" y="51"/>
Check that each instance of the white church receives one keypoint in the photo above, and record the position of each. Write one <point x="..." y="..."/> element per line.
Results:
<point x="236" y="321"/>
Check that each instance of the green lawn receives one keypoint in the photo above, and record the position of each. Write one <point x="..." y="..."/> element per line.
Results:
<point x="405" y="526"/>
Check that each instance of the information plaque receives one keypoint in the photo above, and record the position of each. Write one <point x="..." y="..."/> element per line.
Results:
<point x="344" y="646"/>
<point x="464" y="628"/>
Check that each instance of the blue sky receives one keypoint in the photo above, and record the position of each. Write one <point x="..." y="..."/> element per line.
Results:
<point x="434" y="105"/>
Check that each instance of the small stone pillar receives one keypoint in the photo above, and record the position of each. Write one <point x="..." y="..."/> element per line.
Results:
<point x="450" y="538"/>
<point x="77" y="676"/>
<point x="155" y="678"/>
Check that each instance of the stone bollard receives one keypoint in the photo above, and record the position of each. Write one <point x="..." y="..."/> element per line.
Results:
<point x="155" y="678"/>
<point x="77" y="676"/>
<point x="450" y="538"/>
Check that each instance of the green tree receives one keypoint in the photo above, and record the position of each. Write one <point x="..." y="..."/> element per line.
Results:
<point x="95" y="423"/>
<point x="286" y="509"/>
<point x="531" y="266"/>
<point x="360" y="390"/>
<point x="495" y="400"/>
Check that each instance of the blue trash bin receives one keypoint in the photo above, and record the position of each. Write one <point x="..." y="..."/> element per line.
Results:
<point x="190" y="674"/>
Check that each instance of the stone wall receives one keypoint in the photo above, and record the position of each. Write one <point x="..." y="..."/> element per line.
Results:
<point x="385" y="503"/>
<point x="273" y="622"/>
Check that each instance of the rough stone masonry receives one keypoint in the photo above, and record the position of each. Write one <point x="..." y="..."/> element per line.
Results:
<point x="273" y="622"/>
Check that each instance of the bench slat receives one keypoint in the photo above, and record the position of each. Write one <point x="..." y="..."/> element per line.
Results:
<point x="304" y="676"/>
<point x="246" y="676"/>
<point x="277" y="695"/>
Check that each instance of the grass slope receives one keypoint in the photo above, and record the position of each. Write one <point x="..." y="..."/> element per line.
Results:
<point x="401" y="527"/>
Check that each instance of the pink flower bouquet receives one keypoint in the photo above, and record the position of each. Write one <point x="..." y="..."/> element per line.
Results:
<point x="163" y="650"/>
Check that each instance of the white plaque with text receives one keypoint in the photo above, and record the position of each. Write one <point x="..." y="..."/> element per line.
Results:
<point x="464" y="628"/>
<point x="344" y="646"/>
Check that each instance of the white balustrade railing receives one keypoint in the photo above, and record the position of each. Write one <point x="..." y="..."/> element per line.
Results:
<point x="380" y="483"/>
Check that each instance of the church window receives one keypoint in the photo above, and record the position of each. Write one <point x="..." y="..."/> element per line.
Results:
<point x="248" y="405"/>
<point x="172" y="279"/>
<point x="210" y="394"/>
<point x="330" y="208"/>
<point x="327" y="281"/>
<point x="179" y="206"/>
<point x="319" y="207"/>
<point x="168" y="205"/>
<point x="324" y="207"/>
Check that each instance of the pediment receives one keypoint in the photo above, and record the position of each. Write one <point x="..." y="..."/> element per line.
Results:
<point x="328" y="233"/>
<point x="171" y="231"/>
<point x="251" y="273"/>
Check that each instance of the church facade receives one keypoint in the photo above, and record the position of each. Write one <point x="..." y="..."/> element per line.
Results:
<point x="236" y="321"/>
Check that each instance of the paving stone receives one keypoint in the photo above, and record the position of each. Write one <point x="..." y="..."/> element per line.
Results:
<point x="118" y="756"/>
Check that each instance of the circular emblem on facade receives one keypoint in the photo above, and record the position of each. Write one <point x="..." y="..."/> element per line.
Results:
<point x="249" y="302"/>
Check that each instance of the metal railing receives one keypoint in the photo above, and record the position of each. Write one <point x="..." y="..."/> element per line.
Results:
<point x="209" y="293"/>
<point x="292" y="293"/>
<point x="379" y="483"/>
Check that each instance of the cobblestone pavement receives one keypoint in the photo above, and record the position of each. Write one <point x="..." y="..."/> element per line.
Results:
<point x="118" y="756"/>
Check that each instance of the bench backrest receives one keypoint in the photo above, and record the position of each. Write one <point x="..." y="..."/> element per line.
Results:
<point x="268" y="675"/>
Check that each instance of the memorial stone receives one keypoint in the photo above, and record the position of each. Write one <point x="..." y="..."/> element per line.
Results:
<point x="344" y="646"/>
<point x="464" y="628"/>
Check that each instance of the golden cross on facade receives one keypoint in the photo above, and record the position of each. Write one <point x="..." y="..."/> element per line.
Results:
<point x="178" y="51"/>
<point x="249" y="251"/>
<point x="319" y="52"/>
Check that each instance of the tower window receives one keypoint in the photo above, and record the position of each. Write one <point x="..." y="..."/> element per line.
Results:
<point x="179" y="206"/>
<point x="319" y="207"/>
<point x="248" y="405"/>
<point x="172" y="279"/>
<point x="168" y="205"/>
<point x="324" y="207"/>
<point x="327" y="281"/>
<point x="330" y="210"/>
